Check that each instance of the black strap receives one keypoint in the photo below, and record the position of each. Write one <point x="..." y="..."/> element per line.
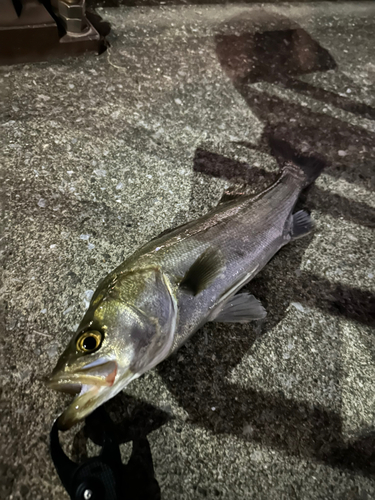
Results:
<point x="99" y="478"/>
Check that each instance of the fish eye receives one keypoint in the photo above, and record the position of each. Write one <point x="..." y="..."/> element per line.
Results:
<point x="89" y="341"/>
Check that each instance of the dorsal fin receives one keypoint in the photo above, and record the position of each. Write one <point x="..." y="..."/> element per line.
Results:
<point x="234" y="192"/>
<point x="169" y="230"/>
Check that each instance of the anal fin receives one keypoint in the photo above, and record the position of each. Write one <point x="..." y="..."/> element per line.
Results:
<point x="241" y="308"/>
<point x="302" y="224"/>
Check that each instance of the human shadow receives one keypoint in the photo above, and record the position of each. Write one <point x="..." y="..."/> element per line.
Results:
<point x="198" y="375"/>
<point x="271" y="48"/>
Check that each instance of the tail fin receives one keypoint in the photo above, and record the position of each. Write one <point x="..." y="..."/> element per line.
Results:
<point x="309" y="166"/>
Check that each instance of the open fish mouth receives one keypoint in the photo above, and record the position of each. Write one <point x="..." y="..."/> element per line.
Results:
<point x="98" y="373"/>
<point x="92" y="385"/>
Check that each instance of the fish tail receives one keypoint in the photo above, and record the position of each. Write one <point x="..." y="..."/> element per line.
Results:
<point x="307" y="167"/>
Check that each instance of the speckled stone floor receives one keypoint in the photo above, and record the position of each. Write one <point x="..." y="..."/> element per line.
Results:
<point x="103" y="153"/>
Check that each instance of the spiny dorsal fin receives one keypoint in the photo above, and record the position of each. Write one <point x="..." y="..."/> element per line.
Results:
<point x="233" y="193"/>
<point x="169" y="230"/>
<point x="203" y="272"/>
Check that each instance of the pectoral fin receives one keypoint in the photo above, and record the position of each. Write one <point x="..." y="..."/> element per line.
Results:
<point x="241" y="308"/>
<point x="203" y="272"/>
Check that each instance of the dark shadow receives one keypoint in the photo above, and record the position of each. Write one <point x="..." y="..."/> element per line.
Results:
<point x="357" y="108"/>
<point x="102" y="27"/>
<point x="216" y="165"/>
<point x="130" y="420"/>
<point x="278" y="56"/>
<point x="255" y="54"/>
<point x="197" y="375"/>
<point x="264" y="55"/>
<point x="272" y="49"/>
<point x="275" y="421"/>
<point x="359" y="452"/>
<point x="349" y="302"/>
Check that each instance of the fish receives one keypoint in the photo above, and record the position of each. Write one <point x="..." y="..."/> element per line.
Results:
<point x="152" y="303"/>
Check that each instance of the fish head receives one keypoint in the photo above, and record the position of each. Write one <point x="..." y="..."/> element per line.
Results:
<point x="115" y="343"/>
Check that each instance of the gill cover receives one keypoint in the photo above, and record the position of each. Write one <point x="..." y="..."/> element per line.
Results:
<point x="148" y="293"/>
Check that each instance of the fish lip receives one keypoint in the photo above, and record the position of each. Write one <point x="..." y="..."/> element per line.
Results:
<point x="67" y="386"/>
<point x="102" y="374"/>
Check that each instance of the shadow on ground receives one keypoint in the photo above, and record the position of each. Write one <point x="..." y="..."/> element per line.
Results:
<point x="254" y="53"/>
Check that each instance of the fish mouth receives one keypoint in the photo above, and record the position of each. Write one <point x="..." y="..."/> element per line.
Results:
<point x="99" y="373"/>
<point x="93" y="384"/>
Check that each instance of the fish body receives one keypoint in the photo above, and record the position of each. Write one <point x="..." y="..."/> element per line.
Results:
<point x="151" y="304"/>
<point x="247" y="232"/>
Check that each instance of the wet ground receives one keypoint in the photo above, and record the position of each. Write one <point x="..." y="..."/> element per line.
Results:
<point x="103" y="153"/>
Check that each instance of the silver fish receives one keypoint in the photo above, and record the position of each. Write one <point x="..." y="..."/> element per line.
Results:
<point x="146" y="308"/>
